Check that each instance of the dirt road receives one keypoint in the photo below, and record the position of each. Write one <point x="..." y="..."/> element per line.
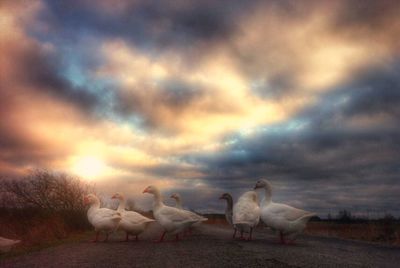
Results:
<point x="212" y="246"/>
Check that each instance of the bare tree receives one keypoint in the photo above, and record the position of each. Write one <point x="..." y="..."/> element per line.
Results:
<point x="45" y="190"/>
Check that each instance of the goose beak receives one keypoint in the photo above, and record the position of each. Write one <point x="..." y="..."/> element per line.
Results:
<point x="145" y="190"/>
<point x="85" y="200"/>
<point x="113" y="197"/>
<point x="221" y="197"/>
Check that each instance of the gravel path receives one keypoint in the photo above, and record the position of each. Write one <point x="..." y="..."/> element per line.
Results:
<point x="212" y="246"/>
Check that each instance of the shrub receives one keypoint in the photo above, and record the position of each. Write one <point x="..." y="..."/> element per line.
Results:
<point x="42" y="206"/>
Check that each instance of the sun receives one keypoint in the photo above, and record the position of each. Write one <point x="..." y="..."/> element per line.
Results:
<point x="89" y="167"/>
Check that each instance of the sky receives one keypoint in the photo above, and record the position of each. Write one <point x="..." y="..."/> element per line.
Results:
<point x="206" y="97"/>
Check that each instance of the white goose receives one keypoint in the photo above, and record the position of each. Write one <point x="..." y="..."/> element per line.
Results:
<point x="102" y="219"/>
<point x="193" y="215"/>
<point x="228" y="210"/>
<point x="132" y="223"/>
<point x="246" y="213"/>
<point x="7" y="244"/>
<point x="173" y="220"/>
<point x="289" y="221"/>
<point x="178" y="200"/>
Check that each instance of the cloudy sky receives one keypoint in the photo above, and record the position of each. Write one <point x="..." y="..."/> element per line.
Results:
<point x="206" y="97"/>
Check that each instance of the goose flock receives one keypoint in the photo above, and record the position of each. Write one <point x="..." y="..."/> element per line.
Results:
<point x="243" y="216"/>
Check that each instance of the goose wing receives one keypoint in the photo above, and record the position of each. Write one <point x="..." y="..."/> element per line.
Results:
<point x="174" y="214"/>
<point x="135" y="217"/>
<point x="246" y="212"/>
<point x="195" y="216"/>
<point x="285" y="211"/>
<point x="106" y="214"/>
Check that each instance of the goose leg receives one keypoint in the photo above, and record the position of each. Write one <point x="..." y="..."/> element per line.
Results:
<point x="241" y="234"/>
<point x="162" y="237"/>
<point x="127" y="237"/>
<point x="97" y="237"/>
<point x="234" y="233"/>
<point x="251" y="232"/>
<point x="282" y="238"/>
<point x="187" y="232"/>
<point x="177" y="237"/>
<point x="106" y="237"/>
<point x="137" y="238"/>
<point x="292" y="238"/>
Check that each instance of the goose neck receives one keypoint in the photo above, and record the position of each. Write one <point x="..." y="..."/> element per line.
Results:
<point x="179" y="203"/>
<point x="268" y="194"/>
<point x="157" y="199"/>
<point x="229" y="203"/>
<point x="95" y="205"/>
<point x="121" y="205"/>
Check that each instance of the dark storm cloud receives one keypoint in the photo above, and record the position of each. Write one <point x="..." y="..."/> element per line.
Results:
<point x="46" y="78"/>
<point x="321" y="147"/>
<point x="17" y="147"/>
<point x="318" y="155"/>
<point x="369" y="22"/>
<point x="40" y="70"/>
<point x="377" y="93"/>
<point x="367" y="14"/>
<point x="148" y="23"/>
<point x="14" y="145"/>
<point x="277" y="86"/>
<point x="180" y="24"/>
<point x="159" y="24"/>
<point x="152" y="105"/>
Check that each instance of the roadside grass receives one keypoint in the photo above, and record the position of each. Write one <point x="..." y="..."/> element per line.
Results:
<point x="37" y="231"/>
<point x="372" y="231"/>
<point x="377" y="231"/>
<point x="24" y="247"/>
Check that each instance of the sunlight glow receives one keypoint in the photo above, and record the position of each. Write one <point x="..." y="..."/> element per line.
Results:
<point x="89" y="167"/>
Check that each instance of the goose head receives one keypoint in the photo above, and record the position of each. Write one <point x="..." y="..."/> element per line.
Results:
<point x="151" y="190"/>
<point x="90" y="199"/>
<point x="262" y="183"/>
<point x="225" y="196"/>
<point x="118" y="196"/>
<point x="176" y="196"/>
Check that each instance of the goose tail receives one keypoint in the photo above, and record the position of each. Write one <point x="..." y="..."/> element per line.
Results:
<point x="309" y="215"/>
<point x="203" y="219"/>
<point x="305" y="218"/>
